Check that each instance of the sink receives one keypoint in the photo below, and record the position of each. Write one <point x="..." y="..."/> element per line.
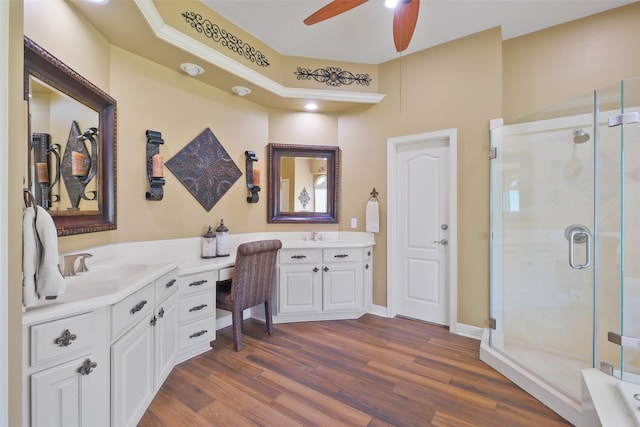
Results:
<point x="106" y="273"/>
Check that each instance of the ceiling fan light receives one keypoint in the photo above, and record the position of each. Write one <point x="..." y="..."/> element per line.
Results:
<point x="391" y="4"/>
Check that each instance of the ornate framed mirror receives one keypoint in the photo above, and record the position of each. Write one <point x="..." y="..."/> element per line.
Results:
<point x="72" y="144"/>
<point x="302" y="183"/>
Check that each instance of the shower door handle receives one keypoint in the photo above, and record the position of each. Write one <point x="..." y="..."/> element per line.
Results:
<point x="578" y="234"/>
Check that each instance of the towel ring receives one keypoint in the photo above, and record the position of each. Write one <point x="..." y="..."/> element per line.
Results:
<point x="29" y="200"/>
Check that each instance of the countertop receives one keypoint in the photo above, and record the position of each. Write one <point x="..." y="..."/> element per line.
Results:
<point x="117" y="270"/>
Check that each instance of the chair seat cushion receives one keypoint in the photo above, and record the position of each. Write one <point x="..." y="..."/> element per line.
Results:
<point x="223" y="300"/>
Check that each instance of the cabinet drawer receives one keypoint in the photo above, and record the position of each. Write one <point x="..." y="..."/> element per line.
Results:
<point x="62" y="337"/>
<point x="196" y="307"/>
<point x="166" y="285"/>
<point x="342" y="255"/>
<point x="131" y="309"/>
<point x="197" y="282"/>
<point x="197" y="333"/>
<point x="225" y="273"/>
<point x="300" y="256"/>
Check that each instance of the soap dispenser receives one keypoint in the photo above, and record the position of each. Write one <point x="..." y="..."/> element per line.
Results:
<point x="209" y="244"/>
<point x="222" y="239"/>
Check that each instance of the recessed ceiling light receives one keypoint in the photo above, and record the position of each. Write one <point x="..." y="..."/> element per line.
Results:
<point x="391" y="4"/>
<point x="241" y="90"/>
<point x="311" y="106"/>
<point x="191" y="69"/>
<point x="98" y="1"/>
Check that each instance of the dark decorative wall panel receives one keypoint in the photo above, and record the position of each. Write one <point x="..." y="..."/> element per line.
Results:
<point x="205" y="169"/>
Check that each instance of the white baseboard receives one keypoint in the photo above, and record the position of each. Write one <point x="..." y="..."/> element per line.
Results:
<point x="378" y="310"/>
<point x="469" y="331"/>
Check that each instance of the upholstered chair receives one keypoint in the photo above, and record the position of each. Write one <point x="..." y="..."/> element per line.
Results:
<point x="252" y="284"/>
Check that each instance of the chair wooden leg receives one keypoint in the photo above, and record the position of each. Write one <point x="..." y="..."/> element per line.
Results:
<point x="236" y="316"/>
<point x="268" y="317"/>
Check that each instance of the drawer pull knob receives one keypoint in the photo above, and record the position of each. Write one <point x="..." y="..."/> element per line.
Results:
<point x="161" y="312"/>
<point x="198" y="307"/>
<point x="138" y="306"/>
<point x="170" y="283"/>
<point x="366" y="266"/>
<point x="341" y="256"/>
<point x="325" y="269"/>
<point x="298" y="256"/>
<point x="65" y="339"/>
<point x="197" y="334"/>
<point x="154" y="320"/>
<point x="368" y="253"/>
<point x="87" y="367"/>
<point x="198" y="283"/>
<point x="315" y="269"/>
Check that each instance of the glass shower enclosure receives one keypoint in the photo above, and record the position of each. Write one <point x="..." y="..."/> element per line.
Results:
<point x="565" y="243"/>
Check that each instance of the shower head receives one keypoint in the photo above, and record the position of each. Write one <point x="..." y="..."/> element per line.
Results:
<point x="580" y="136"/>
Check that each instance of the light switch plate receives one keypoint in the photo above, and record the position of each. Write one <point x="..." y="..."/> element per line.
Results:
<point x="354" y="222"/>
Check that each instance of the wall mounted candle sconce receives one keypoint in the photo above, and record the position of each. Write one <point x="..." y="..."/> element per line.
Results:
<point x="253" y="177"/>
<point x="155" y="165"/>
<point x="42" y="150"/>
<point x="79" y="164"/>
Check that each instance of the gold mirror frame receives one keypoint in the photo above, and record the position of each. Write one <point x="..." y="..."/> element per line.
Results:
<point x="44" y="66"/>
<point x="275" y="154"/>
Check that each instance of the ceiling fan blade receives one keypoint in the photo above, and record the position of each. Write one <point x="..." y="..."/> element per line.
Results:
<point x="404" y="22"/>
<point x="336" y="7"/>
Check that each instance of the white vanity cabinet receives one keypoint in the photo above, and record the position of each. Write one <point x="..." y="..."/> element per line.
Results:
<point x="145" y="326"/>
<point x="67" y="371"/>
<point x="321" y="283"/>
<point x="342" y="279"/>
<point x="196" y="313"/>
<point x="299" y="287"/>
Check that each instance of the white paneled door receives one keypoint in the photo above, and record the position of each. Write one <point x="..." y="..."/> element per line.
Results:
<point x="422" y="230"/>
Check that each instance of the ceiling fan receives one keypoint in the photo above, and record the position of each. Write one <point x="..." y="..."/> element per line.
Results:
<point x="404" y="18"/>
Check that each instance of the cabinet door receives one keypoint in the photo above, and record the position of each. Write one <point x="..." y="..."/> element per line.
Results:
<point x="132" y="375"/>
<point x="342" y="287"/>
<point x="166" y="338"/>
<point x="300" y="289"/>
<point x="368" y="277"/>
<point x="66" y="397"/>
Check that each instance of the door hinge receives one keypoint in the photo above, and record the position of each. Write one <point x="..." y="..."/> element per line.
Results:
<point x="493" y="153"/>
<point x="631" y="342"/>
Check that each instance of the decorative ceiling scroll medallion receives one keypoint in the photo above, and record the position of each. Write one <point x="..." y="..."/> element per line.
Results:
<point x="219" y="35"/>
<point x="332" y="76"/>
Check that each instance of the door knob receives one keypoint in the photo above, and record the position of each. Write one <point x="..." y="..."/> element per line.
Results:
<point x="443" y="242"/>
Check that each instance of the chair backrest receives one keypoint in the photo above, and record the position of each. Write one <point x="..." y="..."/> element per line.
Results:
<point x="254" y="273"/>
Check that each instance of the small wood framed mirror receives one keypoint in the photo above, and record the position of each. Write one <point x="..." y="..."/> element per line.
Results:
<point x="302" y="183"/>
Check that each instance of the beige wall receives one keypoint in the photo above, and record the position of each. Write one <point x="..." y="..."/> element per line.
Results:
<point x="555" y="65"/>
<point x="455" y="85"/>
<point x="462" y="84"/>
<point x="17" y="160"/>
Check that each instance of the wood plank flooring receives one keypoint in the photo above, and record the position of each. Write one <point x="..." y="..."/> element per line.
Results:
<point x="367" y="372"/>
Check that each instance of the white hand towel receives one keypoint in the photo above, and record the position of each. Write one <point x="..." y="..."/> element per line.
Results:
<point x="49" y="282"/>
<point x="373" y="220"/>
<point x="30" y="258"/>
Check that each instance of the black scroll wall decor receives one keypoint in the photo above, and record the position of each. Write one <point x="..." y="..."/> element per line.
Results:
<point x="225" y="38"/>
<point x="332" y="76"/>
<point x="154" y="166"/>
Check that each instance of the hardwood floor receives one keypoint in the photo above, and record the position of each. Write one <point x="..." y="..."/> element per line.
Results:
<point x="367" y="372"/>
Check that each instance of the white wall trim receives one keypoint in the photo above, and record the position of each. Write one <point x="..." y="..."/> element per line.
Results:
<point x="378" y="310"/>
<point x="4" y="213"/>
<point x="451" y="135"/>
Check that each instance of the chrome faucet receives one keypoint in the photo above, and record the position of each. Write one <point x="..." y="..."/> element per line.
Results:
<point x="70" y="264"/>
